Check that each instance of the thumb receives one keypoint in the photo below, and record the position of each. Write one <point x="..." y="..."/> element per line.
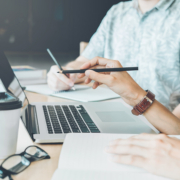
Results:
<point x="101" y="78"/>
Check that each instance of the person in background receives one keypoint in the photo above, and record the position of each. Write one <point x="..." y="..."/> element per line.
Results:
<point x="143" y="33"/>
<point x="158" y="154"/>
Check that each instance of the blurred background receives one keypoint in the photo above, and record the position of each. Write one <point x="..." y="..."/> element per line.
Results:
<point x="28" y="27"/>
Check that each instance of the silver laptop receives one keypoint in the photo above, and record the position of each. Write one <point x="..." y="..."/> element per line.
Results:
<point x="50" y="122"/>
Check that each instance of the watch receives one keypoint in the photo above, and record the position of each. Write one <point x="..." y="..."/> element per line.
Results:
<point x="141" y="107"/>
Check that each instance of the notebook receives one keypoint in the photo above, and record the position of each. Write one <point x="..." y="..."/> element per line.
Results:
<point x="28" y="75"/>
<point x="82" y="158"/>
<point x="82" y="93"/>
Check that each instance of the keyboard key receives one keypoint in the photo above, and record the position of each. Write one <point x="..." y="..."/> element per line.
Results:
<point x="71" y="120"/>
<point x="78" y="119"/>
<point x="62" y="119"/>
<point x="95" y="131"/>
<point x="85" y="130"/>
<point x="92" y="126"/>
<point x="49" y="127"/>
<point x="54" y="120"/>
<point x="68" y="118"/>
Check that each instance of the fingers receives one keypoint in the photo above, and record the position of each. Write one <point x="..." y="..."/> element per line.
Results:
<point x="127" y="150"/>
<point x="137" y="161"/>
<point x="73" y="77"/>
<point x="131" y="141"/>
<point x="58" y="81"/>
<point x="104" y="62"/>
<point x="95" y="85"/>
<point x="88" y="80"/>
<point x="150" y="136"/>
<point x="99" y="62"/>
<point x="65" y="79"/>
<point x="100" y="78"/>
<point x="96" y="61"/>
<point x="56" y="84"/>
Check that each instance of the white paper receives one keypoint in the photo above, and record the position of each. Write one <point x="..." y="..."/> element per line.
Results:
<point x="83" y="157"/>
<point x="82" y="93"/>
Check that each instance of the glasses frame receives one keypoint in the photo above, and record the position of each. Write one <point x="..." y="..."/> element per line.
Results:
<point x="9" y="173"/>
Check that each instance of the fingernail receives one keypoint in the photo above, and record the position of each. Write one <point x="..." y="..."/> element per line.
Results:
<point x="87" y="73"/>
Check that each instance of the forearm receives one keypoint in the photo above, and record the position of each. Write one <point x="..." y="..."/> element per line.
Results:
<point x="158" y="115"/>
<point x="161" y="118"/>
<point x="176" y="111"/>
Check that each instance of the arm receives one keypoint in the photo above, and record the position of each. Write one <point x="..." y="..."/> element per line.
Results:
<point x="122" y="84"/>
<point x="176" y="111"/>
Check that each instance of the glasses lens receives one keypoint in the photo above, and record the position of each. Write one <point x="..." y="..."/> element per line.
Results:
<point x="16" y="164"/>
<point x="6" y="178"/>
<point x="34" y="151"/>
<point x="1" y="173"/>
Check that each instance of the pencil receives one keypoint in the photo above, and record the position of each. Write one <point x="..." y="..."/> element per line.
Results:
<point x="99" y="70"/>
<point x="54" y="59"/>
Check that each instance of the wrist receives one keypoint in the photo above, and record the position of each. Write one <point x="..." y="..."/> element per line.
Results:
<point x="140" y="95"/>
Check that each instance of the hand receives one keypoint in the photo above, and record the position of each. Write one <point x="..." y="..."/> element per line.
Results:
<point x="58" y="81"/>
<point x="158" y="154"/>
<point x="120" y="82"/>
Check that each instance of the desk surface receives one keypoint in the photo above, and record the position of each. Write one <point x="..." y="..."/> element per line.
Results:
<point x="42" y="169"/>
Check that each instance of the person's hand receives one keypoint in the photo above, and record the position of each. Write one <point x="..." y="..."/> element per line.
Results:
<point x="57" y="81"/>
<point x="120" y="82"/>
<point x="158" y="154"/>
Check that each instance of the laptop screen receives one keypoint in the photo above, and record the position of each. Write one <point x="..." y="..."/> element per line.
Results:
<point x="10" y="82"/>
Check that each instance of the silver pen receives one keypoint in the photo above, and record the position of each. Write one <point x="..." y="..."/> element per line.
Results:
<point x="54" y="59"/>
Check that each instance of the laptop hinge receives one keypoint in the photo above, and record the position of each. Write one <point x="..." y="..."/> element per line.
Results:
<point x="33" y="121"/>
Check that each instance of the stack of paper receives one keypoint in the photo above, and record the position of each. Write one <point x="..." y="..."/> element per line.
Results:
<point x="28" y="75"/>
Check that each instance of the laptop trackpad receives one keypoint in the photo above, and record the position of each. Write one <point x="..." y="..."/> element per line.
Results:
<point x="114" y="116"/>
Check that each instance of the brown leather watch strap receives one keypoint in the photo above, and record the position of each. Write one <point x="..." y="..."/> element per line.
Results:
<point x="144" y="104"/>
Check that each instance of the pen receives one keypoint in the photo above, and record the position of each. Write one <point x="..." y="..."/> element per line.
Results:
<point x="54" y="59"/>
<point x="100" y="70"/>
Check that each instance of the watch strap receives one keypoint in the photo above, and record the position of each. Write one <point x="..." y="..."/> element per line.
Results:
<point x="141" y="107"/>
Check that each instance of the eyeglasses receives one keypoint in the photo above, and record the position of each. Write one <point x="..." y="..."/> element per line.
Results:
<point x="19" y="162"/>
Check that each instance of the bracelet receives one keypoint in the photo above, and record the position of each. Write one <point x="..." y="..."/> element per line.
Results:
<point x="141" y="107"/>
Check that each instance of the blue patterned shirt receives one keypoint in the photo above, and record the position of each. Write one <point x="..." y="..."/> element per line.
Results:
<point x="150" y="41"/>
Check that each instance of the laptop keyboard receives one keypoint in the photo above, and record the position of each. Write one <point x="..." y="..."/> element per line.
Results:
<point x="68" y="119"/>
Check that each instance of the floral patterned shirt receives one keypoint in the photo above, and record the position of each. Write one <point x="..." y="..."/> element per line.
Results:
<point x="150" y="41"/>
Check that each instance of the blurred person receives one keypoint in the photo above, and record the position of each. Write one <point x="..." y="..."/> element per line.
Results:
<point x="143" y="33"/>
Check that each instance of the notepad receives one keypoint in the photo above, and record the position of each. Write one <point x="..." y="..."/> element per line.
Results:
<point x="83" y="158"/>
<point x="82" y="93"/>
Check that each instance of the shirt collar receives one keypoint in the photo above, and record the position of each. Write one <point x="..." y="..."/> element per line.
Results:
<point x="162" y="4"/>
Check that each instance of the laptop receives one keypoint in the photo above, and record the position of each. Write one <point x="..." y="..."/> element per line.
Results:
<point x="50" y="122"/>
